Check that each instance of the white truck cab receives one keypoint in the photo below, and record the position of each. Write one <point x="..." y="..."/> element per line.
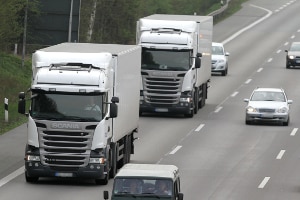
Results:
<point x="146" y="181"/>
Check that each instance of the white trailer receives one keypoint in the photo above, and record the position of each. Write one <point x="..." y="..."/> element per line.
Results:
<point x="174" y="78"/>
<point x="146" y="181"/>
<point x="75" y="127"/>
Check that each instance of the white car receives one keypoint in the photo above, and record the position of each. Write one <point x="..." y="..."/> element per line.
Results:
<point x="268" y="105"/>
<point x="219" y="59"/>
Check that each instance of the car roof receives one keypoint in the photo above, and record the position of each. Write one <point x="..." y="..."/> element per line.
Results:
<point x="270" y="89"/>
<point x="148" y="170"/>
<point x="217" y="44"/>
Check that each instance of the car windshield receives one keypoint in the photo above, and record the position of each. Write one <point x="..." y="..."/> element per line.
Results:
<point x="295" y="47"/>
<point x="268" y="96"/>
<point x="146" y="187"/>
<point x="217" y="50"/>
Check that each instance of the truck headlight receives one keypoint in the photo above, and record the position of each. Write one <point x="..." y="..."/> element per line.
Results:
<point x="97" y="160"/>
<point x="185" y="100"/>
<point x="33" y="158"/>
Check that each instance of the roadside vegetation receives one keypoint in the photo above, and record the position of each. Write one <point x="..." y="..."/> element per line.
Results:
<point x="115" y="22"/>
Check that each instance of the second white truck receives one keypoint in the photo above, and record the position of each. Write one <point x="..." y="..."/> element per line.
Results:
<point x="176" y="62"/>
<point x="84" y="110"/>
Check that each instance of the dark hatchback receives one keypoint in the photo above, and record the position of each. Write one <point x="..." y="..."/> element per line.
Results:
<point x="293" y="55"/>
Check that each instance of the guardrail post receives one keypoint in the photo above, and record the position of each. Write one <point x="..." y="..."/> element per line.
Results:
<point x="6" y="109"/>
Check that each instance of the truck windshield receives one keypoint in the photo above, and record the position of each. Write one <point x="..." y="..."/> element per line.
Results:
<point x="68" y="107"/>
<point x="169" y="60"/>
<point x="143" y="187"/>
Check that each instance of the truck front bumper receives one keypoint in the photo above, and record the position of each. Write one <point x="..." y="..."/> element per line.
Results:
<point x="36" y="169"/>
<point x="180" y="108"/>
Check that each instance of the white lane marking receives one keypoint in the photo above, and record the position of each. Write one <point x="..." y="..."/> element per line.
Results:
<point x="264" y="182"/>
<point x="199" y="127"/>
<point x="250" y="26"/>
<point x="294" y="131"/>
<point x="234" y="94"/>
<point x="218" y="109"/>
<point x="175" y="150"/>
<point x="260" y="69"/>
<point x="278" y="51"/>
<point x="293" y="36"/>
<point x="270" y="59"/>
<point x="248" y="81"/>
<point x="12" y="176"/>
<point x="285" y="44"/>
<point x="279" y="156"/>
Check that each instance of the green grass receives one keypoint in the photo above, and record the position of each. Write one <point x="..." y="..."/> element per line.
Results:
<point x="13" y="79"/>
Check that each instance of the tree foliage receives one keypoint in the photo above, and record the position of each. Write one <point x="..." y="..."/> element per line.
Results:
<point x="12" y="14"/>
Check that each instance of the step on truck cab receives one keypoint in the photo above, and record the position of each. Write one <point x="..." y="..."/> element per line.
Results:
<point x="176" y="62"/>
<point x="147" y="182"/>
<point x="84" y="110"/>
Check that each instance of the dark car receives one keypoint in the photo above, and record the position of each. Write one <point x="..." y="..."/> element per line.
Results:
<point x="293" y="55"/>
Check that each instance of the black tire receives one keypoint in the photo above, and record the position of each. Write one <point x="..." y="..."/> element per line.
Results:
<point x="31" y="179"/>
<point x="196" y="101"/>
<point x="102" y="181"/>
<point x="113" y="161"/>
<point x="286" y="123"/>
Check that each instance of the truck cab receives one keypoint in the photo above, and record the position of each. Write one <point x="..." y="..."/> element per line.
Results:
<point x="146" y="181"/>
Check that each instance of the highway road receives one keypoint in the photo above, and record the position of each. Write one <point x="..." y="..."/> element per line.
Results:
<point x="219" y="157"/>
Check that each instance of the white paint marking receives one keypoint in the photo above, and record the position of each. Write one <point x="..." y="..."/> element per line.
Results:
<point x="278" y="51"/>
<point x="199" y="127"/>
<point x="12" y="176"/>
<point x="250" y="26"/>
<point x="218" y="109"/>
<point x="285" y="44"/>
<point x="293" y="36"/>
<point x="175" y="150"/>
<point x="294" y="131"/>
<point x="260" y="69"/>
<point x="270" y="59"/>
<point x="234" y="94"/>
<point x="264" y="182"/>
<point x="279" y="156"/>
<point x="248" y="81"/>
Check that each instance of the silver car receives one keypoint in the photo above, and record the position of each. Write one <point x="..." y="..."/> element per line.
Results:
<point x="268" y="105"/>
<point x="219" y="59"/>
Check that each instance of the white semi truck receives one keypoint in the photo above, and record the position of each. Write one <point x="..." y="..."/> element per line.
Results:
<point x="176" y="62"/>
<point x="146" y="181"/>
<point x="75" y="127"/>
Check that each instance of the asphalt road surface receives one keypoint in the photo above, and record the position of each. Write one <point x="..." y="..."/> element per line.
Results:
<point x="219" y="157"/>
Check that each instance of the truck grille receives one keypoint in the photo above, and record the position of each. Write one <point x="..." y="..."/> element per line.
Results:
<point x="162" y="91"/>
<point x="65" y="148"/>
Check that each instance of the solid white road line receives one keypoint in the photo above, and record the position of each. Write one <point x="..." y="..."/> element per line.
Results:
<point x="264" y="182"/>
<point x="12" y="176"/>
<point x="279" y="156"/>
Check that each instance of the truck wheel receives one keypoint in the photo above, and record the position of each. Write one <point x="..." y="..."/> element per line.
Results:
<point x="102" y="181"/>
<point x="31" y="179"/>
<point x="113" y="161"/>
<point x="196" y="101"/>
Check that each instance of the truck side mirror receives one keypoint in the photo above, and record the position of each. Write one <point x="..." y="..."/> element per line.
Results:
<point x="197" y="62"/>
<point x="21" y="103"/>
<point x="113" y="110"/>
<point x="105" y="194"/>
<point x="180" y="196"/>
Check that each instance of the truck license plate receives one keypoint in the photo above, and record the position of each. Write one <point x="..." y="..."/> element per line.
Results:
<point x="161" y="109"/>
<point x="60" y="174"/>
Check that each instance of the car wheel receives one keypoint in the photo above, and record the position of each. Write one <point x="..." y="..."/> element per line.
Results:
<point x="247" y="122"/>
<point x="288" y="66"/>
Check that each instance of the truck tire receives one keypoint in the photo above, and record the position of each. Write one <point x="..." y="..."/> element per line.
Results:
<point x="113" y="160"/>
<point x="196" y="100"/>
<point x="31" y="179"/>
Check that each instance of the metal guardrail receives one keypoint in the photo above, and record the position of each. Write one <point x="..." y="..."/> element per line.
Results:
<point x="218" y="12"/>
